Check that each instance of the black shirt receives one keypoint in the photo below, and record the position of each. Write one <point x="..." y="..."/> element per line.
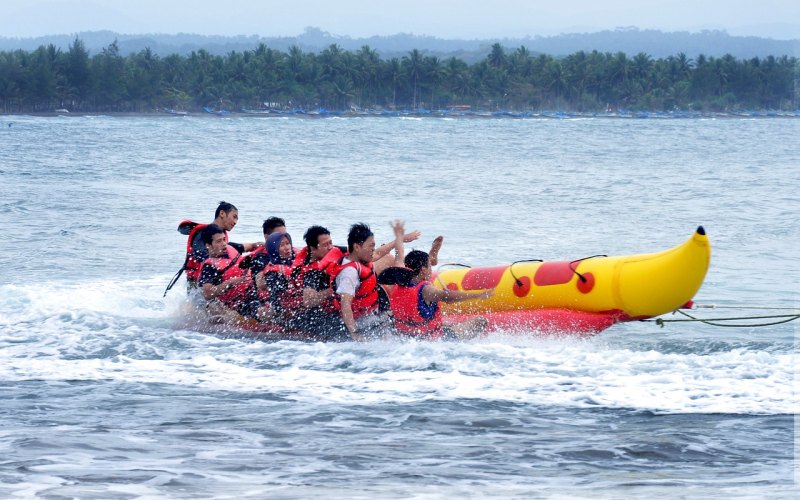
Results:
<point x="210" y="274"/>
<point x="316" y="280"/>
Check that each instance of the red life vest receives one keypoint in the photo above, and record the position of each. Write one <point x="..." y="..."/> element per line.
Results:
<point x="366" y="299"/>
<point x="263" y="295"/>
<point x="405" y="301"/>
<point x="281" y="269"/>
<point x="193" y="265"/>
<point x="300" y="267"/>
<point x="229" y="267"/>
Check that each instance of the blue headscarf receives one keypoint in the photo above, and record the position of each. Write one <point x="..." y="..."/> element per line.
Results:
<point x="273" y="249"/>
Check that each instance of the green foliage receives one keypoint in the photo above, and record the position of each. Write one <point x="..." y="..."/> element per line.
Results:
<point x="338" y="79"/>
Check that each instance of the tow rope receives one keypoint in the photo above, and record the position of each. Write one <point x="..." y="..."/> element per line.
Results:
<point x="780" y="318"/>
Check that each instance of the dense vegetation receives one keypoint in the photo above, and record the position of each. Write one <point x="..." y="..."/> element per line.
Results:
<point x="49" y="78"/>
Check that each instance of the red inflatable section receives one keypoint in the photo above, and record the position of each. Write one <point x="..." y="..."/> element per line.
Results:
<point x="482" y="278"/>
<point x="547" y="321"/>
<point x="553" y="273"/>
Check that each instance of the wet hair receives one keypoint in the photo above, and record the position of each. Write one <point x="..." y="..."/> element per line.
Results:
<point x="208" y="232"/>
<point x="359" y="233"/>
<point x="312" y="235"/>
<point x="271" y="223"/>
<point x="416" y="260"/>
<point x="226" y="207"/>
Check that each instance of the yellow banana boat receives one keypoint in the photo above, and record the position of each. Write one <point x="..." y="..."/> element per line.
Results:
<point x="585" y="295"/>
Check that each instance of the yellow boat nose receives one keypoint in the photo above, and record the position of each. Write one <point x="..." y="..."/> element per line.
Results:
<point x="648" y="285"/>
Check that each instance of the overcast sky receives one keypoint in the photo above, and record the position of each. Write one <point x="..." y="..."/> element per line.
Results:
<point x="362" y="18"/>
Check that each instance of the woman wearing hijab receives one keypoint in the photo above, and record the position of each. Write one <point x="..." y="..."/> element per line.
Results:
<point x="279" y="249"/>
<point x="272" y="269"/>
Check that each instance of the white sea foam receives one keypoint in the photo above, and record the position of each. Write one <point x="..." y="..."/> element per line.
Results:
<point x="122" y="332"/>
<point x="547" y="372"/>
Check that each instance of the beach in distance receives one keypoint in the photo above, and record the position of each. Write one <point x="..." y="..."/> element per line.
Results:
<point x="107" y="392"/>
<point x="419" y="113"/>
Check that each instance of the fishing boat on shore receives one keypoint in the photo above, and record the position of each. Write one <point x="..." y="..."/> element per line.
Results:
<point x="216" y="111"/>
<point x="175" y="112"/>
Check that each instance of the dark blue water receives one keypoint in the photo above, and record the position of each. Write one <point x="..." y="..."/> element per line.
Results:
<point x="105" y="395"/>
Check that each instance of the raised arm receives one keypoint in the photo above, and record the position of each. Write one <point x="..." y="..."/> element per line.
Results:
<point x="384" y="249"/>
<point x="249" y="247"/>
<point x="398" y="227"/>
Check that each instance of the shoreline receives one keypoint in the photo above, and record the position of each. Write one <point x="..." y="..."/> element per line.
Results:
<point x="419" y="114"/>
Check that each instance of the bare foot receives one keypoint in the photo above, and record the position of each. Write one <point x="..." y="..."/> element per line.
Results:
<point x="433" y="255"/>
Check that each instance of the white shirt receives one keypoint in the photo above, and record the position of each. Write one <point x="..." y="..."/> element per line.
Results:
<point x="347" y="281"/>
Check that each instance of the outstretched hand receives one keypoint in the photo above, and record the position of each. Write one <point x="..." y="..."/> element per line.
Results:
<point x="413" y="235"/>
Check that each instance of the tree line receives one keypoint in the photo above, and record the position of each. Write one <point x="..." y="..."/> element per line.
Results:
<point x="335" y="79"/>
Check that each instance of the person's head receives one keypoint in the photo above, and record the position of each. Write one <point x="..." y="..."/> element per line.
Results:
<point x="273" y="225"/>
<point x="419" y="263"/>
<point x="226" y="215"/>
<point x="279" y="247"/>
<point x="214" y="238"/>
<point x="319" y="242"/>
<point x="360" y="243"/>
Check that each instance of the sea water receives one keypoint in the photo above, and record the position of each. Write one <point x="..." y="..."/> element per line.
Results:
<point x="105" y="395"/>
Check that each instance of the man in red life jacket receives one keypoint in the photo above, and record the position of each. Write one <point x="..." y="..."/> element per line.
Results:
<point x="357" y="284"/>
<point x="415" y="304"/>
<point x="226" y="280"/>
<point x="226" y="216"/>
<point x="313" y="307"/>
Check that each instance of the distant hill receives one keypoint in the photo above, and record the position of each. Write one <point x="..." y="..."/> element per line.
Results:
<point x="629" y="40"/>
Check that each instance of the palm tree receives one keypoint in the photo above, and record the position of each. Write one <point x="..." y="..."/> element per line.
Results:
<point x="77" y="71"/>
<point x="497" y="57"/>
<point x="394" y="72"/>
<point x="557" y="81"/>
<point x="642" y="70"/>
<point x="434" y="72"/>
<point x="367" y="65"/>
<point x="414" y="66"/>
<point x="521" y="63"/>
<point x="684" y="65"/>
<point x="620" y="66"/>
<point x="457" y="79"/>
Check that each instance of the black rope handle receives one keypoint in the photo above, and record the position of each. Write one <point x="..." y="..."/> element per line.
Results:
<point x="439" y="279"/>
<point x="454" y="264"/>
<point x="573" y="269"/>
<point x="511" y="269"/>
